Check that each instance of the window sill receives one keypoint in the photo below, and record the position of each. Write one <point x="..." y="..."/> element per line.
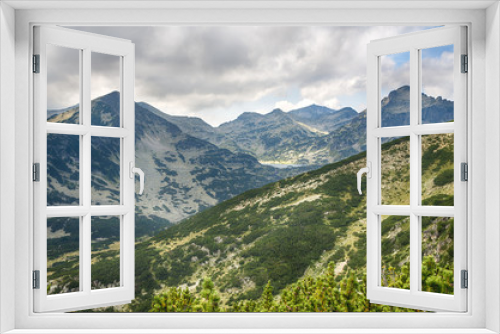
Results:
<point x="251" y="331"/>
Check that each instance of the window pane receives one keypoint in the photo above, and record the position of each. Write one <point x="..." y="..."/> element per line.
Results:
<point x="63" y="169"/>
<point x="63" y="255"/>
<point x="105" y="171"/>
<point x="395" y="171"/>
<point x="105" y="90"/>
<point x="395" y="254"/>
<point x="437" y="84"/>
<point x="63" y="84"/>
<point x="437" y="170"/>
<point x="395" y="89"/>
<point x="437" y="254"/>
<point x="105" y="252"/>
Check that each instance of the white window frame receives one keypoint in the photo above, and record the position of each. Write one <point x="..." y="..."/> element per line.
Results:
<point x="413" y="44"/>
<point x="483" y="102"/>
<point x="86" y="44"/>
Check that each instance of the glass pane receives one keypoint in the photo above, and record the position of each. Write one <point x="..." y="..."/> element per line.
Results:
<point x="105" y="269"/>
<point x="437" y="170"/>
<point x="63" y="169"/>
<point x="105" y="90"/>
<point x="105" y="171"/>
<point x="437" y="84"/>
<point x="395" y="251"/>
<point x="63" y="84"/>
<point x="395" y="89"/>
<point x="437" y="254"/>
<point x="63" y="255"/>
<point x="395" y="171"/>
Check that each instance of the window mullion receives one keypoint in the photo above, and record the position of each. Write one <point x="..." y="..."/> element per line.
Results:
<point x="433" y="129"/>
<point x="81" y="179"/>
<point x="66" y="129"/>
<point x="396" y="131"/>
<point x="421" y="129"/>
<point x="85" y="255"/>
<point x="414" y="171"/>
<point x="109" y="210"/>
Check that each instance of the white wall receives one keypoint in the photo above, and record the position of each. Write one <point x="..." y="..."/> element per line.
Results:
<point x="489" y="105"/>
<point x="7" y="160"/>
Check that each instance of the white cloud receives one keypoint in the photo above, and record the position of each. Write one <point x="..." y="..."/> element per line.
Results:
<point x="333" y="103"/>
<point x="437" y="76"/>
<point x="287" y="105"/>
<point x="360" y="107"/>
<point x="205" y="70"/>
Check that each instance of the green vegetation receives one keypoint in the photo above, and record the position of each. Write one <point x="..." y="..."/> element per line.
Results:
<point x="444" y="177"/>
<point x="298" y="244"/>
<point x="311" y="294"/>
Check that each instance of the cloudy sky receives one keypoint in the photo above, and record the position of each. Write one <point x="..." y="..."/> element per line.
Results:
<point x="217" y="73"/>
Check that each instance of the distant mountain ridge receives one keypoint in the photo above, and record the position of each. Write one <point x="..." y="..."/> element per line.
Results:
<point x="396" y="108"/>
<point x="268" y="137"/>
<point x="323" y="118"/>
<point x="192" y="166"/>
<point x="184" y="174"/>
<point x="195" y="127"/>
<point x="313" y="135"/>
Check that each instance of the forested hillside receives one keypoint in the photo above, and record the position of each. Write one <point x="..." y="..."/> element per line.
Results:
<point x="290" y="232"/>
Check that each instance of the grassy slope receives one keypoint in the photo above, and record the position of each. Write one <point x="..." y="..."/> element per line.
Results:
<point x="293" y="228"/>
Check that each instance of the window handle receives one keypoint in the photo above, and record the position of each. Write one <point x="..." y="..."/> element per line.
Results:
<point x="134" y="170"/>
<point x="368" y="171"/>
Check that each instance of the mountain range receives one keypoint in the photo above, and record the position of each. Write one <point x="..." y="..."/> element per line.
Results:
<point x="234" y="219"/>
<point x="313" y="135"/>
<point x="184" y="174"/>
<point x="191" y="165"/>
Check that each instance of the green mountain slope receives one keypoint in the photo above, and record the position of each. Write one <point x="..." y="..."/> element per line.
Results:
<point x="292" y="229"/>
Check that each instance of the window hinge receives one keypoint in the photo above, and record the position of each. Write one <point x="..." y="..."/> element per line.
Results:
<point x="36" y="172"/>
<point x="465" y="279"/>
<point x="465" y="64"/>
<point x="464" y="171"/>
<point x="36" y="63"/>
<point x="36" y="279"/>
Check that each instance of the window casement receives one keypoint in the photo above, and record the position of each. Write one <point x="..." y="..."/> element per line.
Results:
<point x="413" y="210"/>
<point x="82" y="131"/>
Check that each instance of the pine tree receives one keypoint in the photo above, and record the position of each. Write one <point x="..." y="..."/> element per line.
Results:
<point x="310" y="294"/>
